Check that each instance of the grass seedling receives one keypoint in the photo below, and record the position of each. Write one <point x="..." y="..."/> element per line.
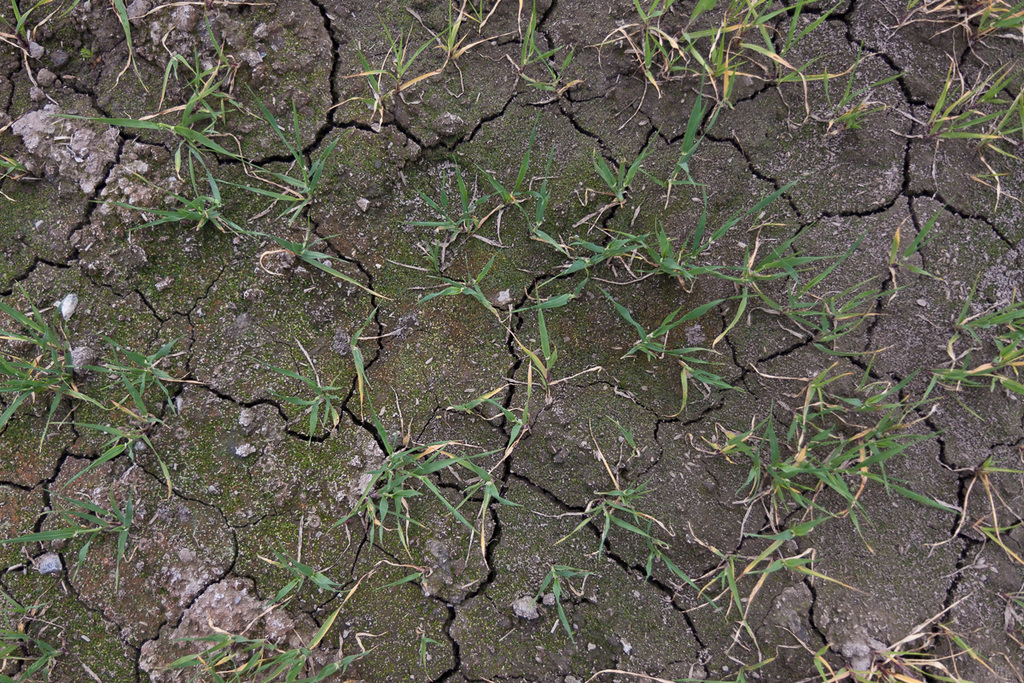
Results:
<point x="402" y="476"/>
<point x="620" y="180"/>
<point x="931" y="651"/>
<point x="25" y="656"/>
<point x="898" y="259"/>
<point x="827" y="317"/>
<point x="553" y="580"/>
<point x="727" y="577"/>
<point x="302" y="574"/>
<point x="680" y="175"/>
<point x="11" y="168"/>
<point x="655" y="50"/>
<point x="45" y="372"/>
<point x="747" y="30"/>
<point x="853" y="106"/>
<point x="324" y="407"/>
<point x="469" y="287"/>
<point x="980" y="20"/>
<point x="362" y="383"/>
<point x="304" y="252"/>
<point x="531" y="55"/>
<point x="518" y="193"/>
<point x="517" y="425"/>
<point x="463" y="218"/>
<point x="448" y="40"/>
<point x="654" y="344"/>
<point x="396" y="64"/>
<point x="1003" y="370"/>
<point x="833" y="437"/>
<point x="295" y="192"/>
<point x="425" y="641"/>
<point x="989" y="524"/>
<point x="209" y="99"/>
<point x="830" y="317"/>
<point x="986" y="112"/>
<point x="617" y="507"/>
<point x="407" y="470"/>
<point x="232" y="658"/>
<point x="138" y="373"/>
<point x="1004" y="328"/>
<point x="22" y="35"/>
<point x="201" y="208"/>
<point x="86" y="520"/>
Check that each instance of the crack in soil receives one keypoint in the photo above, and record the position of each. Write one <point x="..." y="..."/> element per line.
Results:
<point x="639" y="570"/>
<point x="754" y="171"/>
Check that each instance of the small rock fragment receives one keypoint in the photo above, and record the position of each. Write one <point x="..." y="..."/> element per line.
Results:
<point x="525" y="608"/>
<point x="48" y="563"/>
<point x="246" y="417"/>
<point x="449" y="124"/>
<point x="138" y="9"/>
<point x="35" y="50"/>
<point x="363" y="204"/>
<point x="860" y="653"/>
<point x="68" y="305"/>
<point x="59" y="58"/>
<point x="82" y="356"/>
<point x="251" y="57"/>
<point x="45" y="77"/>
<point x="504" y="298"/>
<point x="185" y="18"/>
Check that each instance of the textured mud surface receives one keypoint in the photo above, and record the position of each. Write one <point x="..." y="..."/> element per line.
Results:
<point x="598" y="515"/>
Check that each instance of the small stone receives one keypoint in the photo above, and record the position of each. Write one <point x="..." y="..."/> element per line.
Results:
<point x="251" y="57"/>
<point x="549" y="600"/>
<point x="138" y="9"/>
<point x="68" y="305"/>
<point x="81" y="356"/>
<point x="246" y="417"/>
<point x="448" y="124"/>
<point x="164" y="283"/>
<point x="35" y="50"/>
<point x="36" y="94"/>
<point x="504" y="298"/>
<point x="363" y="204"/>
<point x="59" y="58"/>
<point x="626" y="646"/>
<point x="185" y="18"/>
<point x="46" y="77"/>
<point x="48" y="563"/>
<point x="525" y="608"/>
<point x="245" y="450"/>
<point x="923" y="303"/>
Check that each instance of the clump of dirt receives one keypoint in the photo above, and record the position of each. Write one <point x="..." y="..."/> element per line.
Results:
<point x="69" y="152"/>
<point x="230" y="607"/>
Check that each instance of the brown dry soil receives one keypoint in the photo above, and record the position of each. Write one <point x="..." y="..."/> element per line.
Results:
<point x="249" y="480"/>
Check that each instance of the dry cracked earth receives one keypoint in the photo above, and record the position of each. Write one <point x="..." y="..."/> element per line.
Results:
<point x="747" y="413"/>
